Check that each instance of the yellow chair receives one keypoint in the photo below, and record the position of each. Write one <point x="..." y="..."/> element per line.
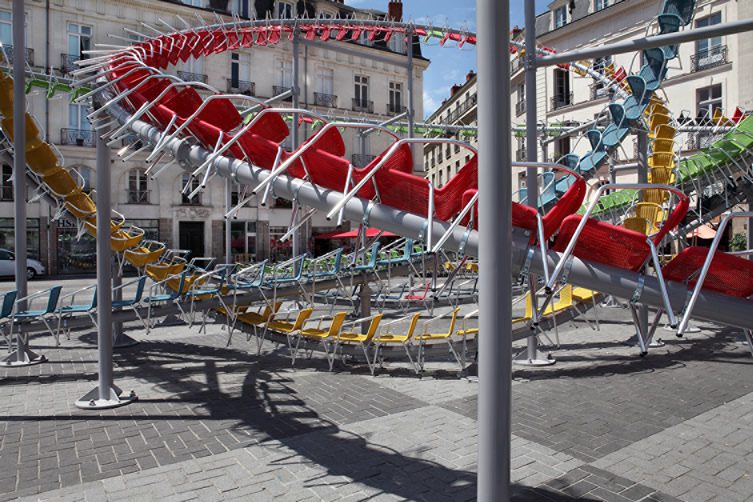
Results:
<point x="158" y="272"/>
<point x="582" y="295"/>
<point x="254" y="319"/>
<point x="61" y="183"/>
<point x="285" y="327"/>
<point x="661" y="176"/>
<point x="385" y="337"/>
<point x="655" y="196"/>
<point x="363" y="340"/>
<point x="651" y="212"/>
<point x="658" y="119"/>
<point x="124" y="239"/>
<point x="663" y="132"/>
<point x="662" y="160"/>
<point x="6" y="96"/>
<point x="637" y="224"/>
<point x="443" y="336"/>
<point x="81" y="206"/>
<point x="148" y="252"/>
<point x="663" y="146"/>
<point x="42" y="160"/>
<point x="32" y="136"/>
<point x="326" y="337"/>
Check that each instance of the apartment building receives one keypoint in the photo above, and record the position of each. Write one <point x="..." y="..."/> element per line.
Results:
<point x="362" y="79"/>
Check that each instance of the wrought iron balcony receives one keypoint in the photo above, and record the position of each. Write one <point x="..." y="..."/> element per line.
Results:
<point x="192" y="77"/>
<point x="280" y="89"/>
<point x="29" y="54"/>
<point x="517" y="64"/>
<point x="520" y="155"/>
<point x="361" y="160"/>
<point x="703" y="60"/>
<point x="68" y="62"/>
<point x="138" y="196"/>
<point x="395" y="109"/>
<point x="520" y="108"/>
<point x="328" y="100"/>
<point x="562" y="101"/>
<point x="78" y="137"/>
<point x="362" y="105"/>
<point x="241" y="87"/>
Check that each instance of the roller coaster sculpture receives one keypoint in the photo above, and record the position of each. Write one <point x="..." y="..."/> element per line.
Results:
<point x="209" y="133"/>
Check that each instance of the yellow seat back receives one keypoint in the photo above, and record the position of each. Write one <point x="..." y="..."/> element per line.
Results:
<point x="373" y="327"/>
<point x="413" y="324"/>
<point x="337" y="324"/>
<point x="637" y="224"/>
<point x="303" y="316"/>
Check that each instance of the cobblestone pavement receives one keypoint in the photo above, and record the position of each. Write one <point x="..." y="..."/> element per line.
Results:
<point x="215" y="422"/>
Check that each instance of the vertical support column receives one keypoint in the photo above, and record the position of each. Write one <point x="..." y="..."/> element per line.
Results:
<point x="411" y="114"/>
<point x="364" y="301"/>
<point x="106" y="394"/>
<point x="21" y="356"/>
<point x="495" y="281"/>
<point x="228" y="233"/>
<point x="642" y="137"/>
<point x="531" y="356"/>
<point x="296" y="140"/>
<point x="749" y="221"/>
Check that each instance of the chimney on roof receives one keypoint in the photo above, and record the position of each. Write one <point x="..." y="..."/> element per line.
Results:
<point x="470" y="75"/>
<point x="454" y="89"/>
<point x="516" y="32"/>
<point x="395" y="10"/>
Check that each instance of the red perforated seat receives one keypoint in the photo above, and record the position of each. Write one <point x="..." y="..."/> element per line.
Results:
<point x="602" y="242"/>
<point x="728" y="274"/>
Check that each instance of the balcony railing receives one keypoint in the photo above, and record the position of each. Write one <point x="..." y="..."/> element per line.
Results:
<point x="362" y="105"/>
<point x="78" y="137"/>
<point x="517" y="64"/>
<point x="138" y="196"/>
<point x="241" y="87"/>
<point x="328" y="100"/>
<point x="29" y="53"/>
<point x="562" y="101"/>
<point x="68" y="62"/>
<point x="599" y="91"/>
<point x="279" y="89"/>
<point x="520" y="155"/>
<point x="192" y="77"/>
<point x="520" y="108"/>
<point x="394" y="108"/>
<point x="463" y="108"/>
<point x="361" y="160"/>
<point x="703" y="60"/>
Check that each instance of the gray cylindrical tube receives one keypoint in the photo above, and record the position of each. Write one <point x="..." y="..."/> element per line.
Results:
<point x="495" y="289"/>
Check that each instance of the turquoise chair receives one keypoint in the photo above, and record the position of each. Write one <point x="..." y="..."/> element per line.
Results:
<point x="29" y="315"/>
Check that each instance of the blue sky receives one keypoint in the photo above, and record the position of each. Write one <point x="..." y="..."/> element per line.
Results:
<point x="448" y="65"/>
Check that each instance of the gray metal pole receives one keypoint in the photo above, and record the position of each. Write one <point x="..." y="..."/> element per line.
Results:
<point x="228" y="234"/>
<point x="106" y="394"/>
<point x="638" y="44"/>
<point x="296" y="102"/>
<point x="643" y="178"/>
<point x="532" y="356"/>
<point x="411" y="112"/>
<point x="22" y="356"/>
<point x="495" y="292"/>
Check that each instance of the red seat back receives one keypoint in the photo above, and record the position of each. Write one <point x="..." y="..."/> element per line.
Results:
<point x="728" y="274"/>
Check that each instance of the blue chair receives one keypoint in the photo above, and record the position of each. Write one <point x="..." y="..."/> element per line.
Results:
<point x="286" y="274"/>
<point x="563" y="184"/>
<point x="571" y="160"/>
<point x="669" y="23"/>
<point x="132" y="303"/>
<point x="654" y="71"/>
<point x="638" y="89"/>
<point x="6" y="311"/>
<point x="594" y="137"/>
<point x="369" y="265"/>
<point x="67" y="312"/>
<point x="590" y="162"/>
<point x="200" y="289"/>
<point x="29" y="315"/>
<point x="614" y="135"/>
<point x="683" y="9"/>
<point x="173" y="296"/>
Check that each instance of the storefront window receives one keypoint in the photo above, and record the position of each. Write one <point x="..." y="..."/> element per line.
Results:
<point x="75" y="256"/>
<point x="7" y="235"/>
<point x="243" y="241"/>
<point x="279" y="250"/>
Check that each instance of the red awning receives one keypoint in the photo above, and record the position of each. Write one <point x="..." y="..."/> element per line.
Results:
<point x="353" y="234"/>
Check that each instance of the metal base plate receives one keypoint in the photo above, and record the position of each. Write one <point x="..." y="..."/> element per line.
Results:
<point x="534" y="362"/>
<point x="92" y="401"/>
<point x="27" y="358"/>
<point x="656" y="343"/>
<point x="689" y="329"/>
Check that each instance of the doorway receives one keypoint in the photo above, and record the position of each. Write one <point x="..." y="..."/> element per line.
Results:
<point x="191" y="237"/>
